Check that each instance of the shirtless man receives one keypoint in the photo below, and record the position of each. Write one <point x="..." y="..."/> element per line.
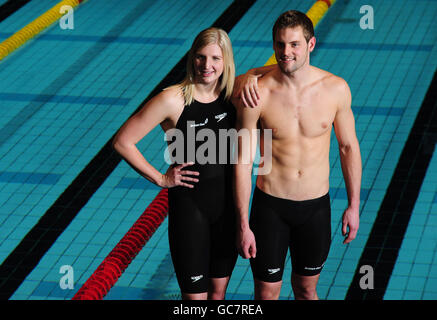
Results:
<point x="291" y="204"/>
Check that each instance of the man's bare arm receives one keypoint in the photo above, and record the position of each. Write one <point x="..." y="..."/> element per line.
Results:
<point x="246" y="85"/>
<point x="246" y="123"/>
<point x="350" y="157"/>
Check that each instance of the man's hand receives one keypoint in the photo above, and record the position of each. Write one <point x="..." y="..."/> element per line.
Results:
<point x="246" y="244"/>
<point x="351" y="220"/>
<point x="246" y="89"/>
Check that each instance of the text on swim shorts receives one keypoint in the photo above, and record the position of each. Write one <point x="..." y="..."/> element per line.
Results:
<point x="206" y="153"/>
<point x="315" y="268"/>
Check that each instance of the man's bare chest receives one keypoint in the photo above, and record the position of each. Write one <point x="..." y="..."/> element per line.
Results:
<point x="295" y="118"/>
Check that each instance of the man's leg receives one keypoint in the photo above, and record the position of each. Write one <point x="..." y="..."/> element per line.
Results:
<point x="194" y="296"/>
<point x="217" y="288"/>
<point x="272" y="240"/>
<point x="309" y="247"/>
<point x="304" y="287"/>
<point x="267" y="290"/>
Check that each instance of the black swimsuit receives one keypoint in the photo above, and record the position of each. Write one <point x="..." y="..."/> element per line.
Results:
<point x="279" y="224"/>
<point x="202" y="219"/>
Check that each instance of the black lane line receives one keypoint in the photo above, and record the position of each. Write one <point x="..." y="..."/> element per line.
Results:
<point x="385" y="239"/>
<point x="41" y="237"/>
<point x="11" y="6"/>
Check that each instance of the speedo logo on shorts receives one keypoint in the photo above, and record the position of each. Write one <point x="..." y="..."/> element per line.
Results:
<point x="273" y="271"/>
<point x="196" y="278"/>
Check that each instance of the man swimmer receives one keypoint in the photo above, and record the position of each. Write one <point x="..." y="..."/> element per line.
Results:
<point x="291" y="204"/>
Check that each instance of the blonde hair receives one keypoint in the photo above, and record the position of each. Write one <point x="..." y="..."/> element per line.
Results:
<point x="226" y="81"/>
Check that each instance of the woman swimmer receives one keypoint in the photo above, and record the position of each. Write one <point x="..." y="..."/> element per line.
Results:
<point x="201" y="226"/>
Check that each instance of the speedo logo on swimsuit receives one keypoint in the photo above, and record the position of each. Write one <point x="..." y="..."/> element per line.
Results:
<point x="221" y="116"/>
<point x="199" y="124"/>
<point x="272" y="271"/>
<point x="196" y="278"/>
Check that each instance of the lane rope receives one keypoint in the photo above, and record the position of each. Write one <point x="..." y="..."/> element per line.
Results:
<point x="112" y="267"/>
<point x="34" y="28"/>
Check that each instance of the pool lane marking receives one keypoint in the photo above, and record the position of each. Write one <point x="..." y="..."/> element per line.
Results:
<point x="388" y="231"/>
<point x="10" y="7"/>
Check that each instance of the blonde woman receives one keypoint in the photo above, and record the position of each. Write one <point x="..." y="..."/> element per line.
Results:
<point x="201" y="212"/>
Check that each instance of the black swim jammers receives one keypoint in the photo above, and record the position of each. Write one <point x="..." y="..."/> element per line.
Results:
<point x="279" y="224"/>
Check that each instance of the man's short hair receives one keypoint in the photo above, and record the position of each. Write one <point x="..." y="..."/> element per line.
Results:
<point x="291" y="19"/>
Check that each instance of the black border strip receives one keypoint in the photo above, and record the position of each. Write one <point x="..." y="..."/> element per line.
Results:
<point x="41" y="237"/>
<point x="11" y="6"/>
<point x="385" y="239"/>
